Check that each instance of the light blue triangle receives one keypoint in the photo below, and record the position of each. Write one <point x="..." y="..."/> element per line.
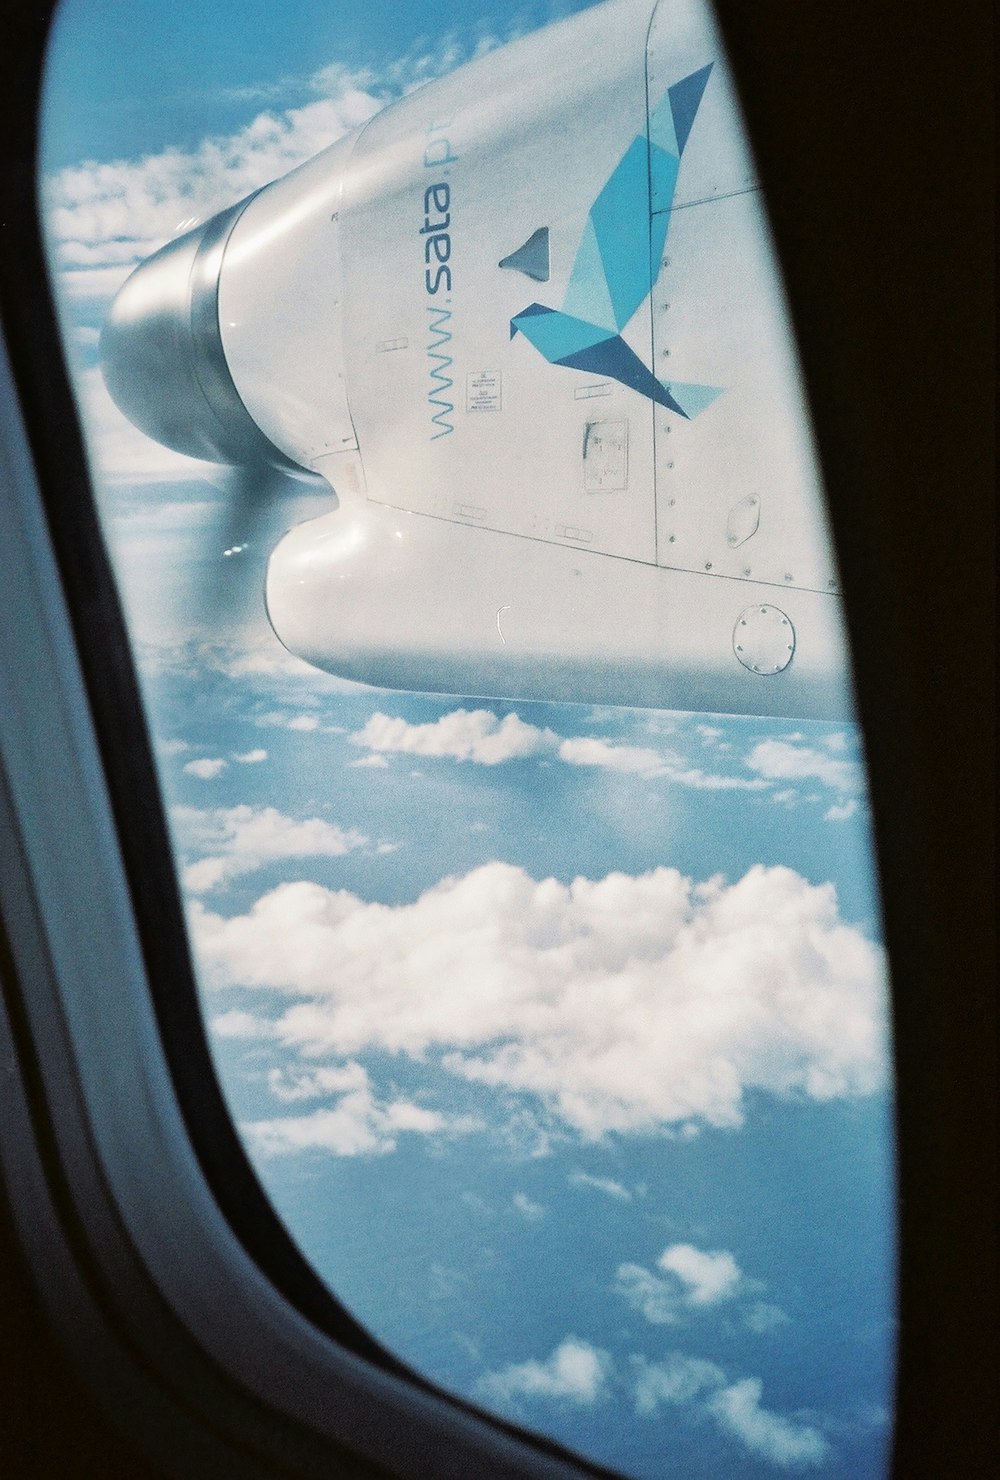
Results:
<point x="663" y="168"/>
<point x="556" y="335"/>
<point x="693" y="399"/>
<point x="661" y="126"/>
<point x="587" y="296"/>
<point x="621" y="215"/>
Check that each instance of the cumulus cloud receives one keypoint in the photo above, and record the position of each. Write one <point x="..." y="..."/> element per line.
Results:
<point x="464" y="735"/>
<point x="782" y="760"/>
<point x="239" y="1024"/>
<point x="678" y="1379"/>
<point x="527" y="1207"/>
<point x="576" y="1372"/>
<point x="692" y="1280"/>
<point x="622" y="1004"/>
<point x="607" y="1185"/>
<point x="707" y="1277"/>
<point x="841" y="811"/>
<point x="105" y="217"/>
<point x="238" y="840"/>
<point x="206" y="769"/>
<point x="481" y="737"/>
<point x="359" y="1124"/>
<point x="586" y="750"/>
<point x="251" y="758"/>
<point x="735" y="1408"/>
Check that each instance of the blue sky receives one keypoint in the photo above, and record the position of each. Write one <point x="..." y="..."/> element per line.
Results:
<point x="557" y="1034"/>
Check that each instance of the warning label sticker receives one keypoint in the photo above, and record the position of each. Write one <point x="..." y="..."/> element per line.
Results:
<point x="483" y="391"/>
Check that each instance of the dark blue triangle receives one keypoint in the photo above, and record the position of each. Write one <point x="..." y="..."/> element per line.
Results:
<point x="533" y="258"/>
<point x="614" y="358"/>
<point x="684" y="99"/>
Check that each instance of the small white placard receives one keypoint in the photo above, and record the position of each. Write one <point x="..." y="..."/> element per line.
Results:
<point x="483" y="391"/>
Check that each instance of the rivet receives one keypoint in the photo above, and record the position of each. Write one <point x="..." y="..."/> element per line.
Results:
<point x="708" y="565"/>
<point x="671" y="539"/>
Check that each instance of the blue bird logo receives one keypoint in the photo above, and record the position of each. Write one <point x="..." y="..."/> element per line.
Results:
<point x="616" y="265"/>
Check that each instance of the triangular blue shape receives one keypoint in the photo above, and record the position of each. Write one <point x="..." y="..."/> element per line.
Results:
<point x="556" y="335"/>
<point x="663" y="169"/>
<point x="532" y="258"/>
<point x="684" y="99"/>
<point x="661" y="126"/>
<point x="587" y="295"/>
<point x="694" y="399"/>
<point x="614" y="358"/>
<point x="620" y="215"/>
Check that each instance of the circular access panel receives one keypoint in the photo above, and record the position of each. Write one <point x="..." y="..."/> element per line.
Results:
<point x="764" y="639"/>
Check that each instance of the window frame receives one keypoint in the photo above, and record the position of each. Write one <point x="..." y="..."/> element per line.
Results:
<point x="169" y="1363"/>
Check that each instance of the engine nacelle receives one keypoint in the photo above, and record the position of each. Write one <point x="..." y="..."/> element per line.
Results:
<point x="528" y="324"/>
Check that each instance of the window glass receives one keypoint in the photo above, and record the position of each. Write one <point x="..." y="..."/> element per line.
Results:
<point x="555" y="1025"/>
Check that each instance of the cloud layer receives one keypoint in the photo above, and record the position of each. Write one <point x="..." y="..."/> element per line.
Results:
<point x="479" y="736"/>
<point x="238" y="840"/>
<point x="692" y="1279"/>
<point x="631" y="1003"/>
<point x="576" y="1372"/>
<point x="734" y="1407"/>
<point x="358" y="1124"/>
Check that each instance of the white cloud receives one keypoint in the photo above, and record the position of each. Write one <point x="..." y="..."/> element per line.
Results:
<point x="527" y="1207"/>
<point x="238" y="1024"/>
<point x="708" y="1277"/>
<point x="841" y="811"/>
<point x="104" y="216"/>
<point x="735" y="1408"/>
<point x="464" y="735"/>
<point x="251" y="758"/>
<point x="586" y="750"/>
<point x="762" y="1316"/>
<point x="678" y="1379"/>
<point x="206" y="769"/>
<point x="780" y="760"/>
<point x="625" y="1004"/>
<point x="576" y="1372"/>
<point x="656" y="1299"/>
<point x="480" y="737"/>
<point x="607" y="1185"/>
<point x="326" y="1080"/>
<point x="238" y="840"/>
<point x="375" y="762"/>
<point x="359" y="1124"/>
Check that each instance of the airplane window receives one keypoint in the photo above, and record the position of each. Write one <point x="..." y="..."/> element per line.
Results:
<point x="462" y="499"/>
